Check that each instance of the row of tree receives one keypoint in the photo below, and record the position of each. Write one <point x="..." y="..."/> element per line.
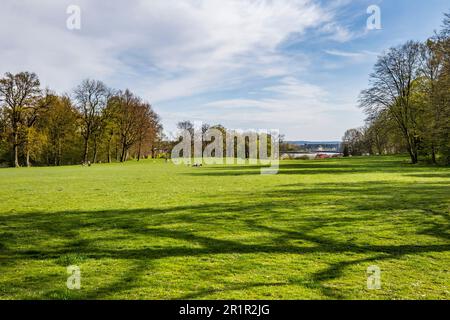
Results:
<point x="93" y="124"/>
<point x="408" y="102"/>
<point x="234" y="143"/>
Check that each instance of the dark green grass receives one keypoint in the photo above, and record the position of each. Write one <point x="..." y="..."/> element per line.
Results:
<point x="152" y="230"/>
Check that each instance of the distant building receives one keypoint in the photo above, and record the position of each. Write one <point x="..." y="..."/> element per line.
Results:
<point x="319" y="146"/>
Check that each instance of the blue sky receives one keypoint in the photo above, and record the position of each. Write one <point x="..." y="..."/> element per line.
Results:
<point x="293" y="65"/>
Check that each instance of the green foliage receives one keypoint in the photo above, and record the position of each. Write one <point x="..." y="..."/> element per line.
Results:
<point x="410" y="87"/>
<point x="42" y="128"/>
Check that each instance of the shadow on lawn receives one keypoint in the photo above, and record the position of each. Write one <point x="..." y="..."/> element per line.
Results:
<point x="329" y="166"/>
<point x="371" y="203"/>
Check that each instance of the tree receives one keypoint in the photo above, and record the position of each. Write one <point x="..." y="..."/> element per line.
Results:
<point x="41" y="127"/>
<point x="4" y="134"/>
<point x="91" y="98"/>
<point x="428" y="97"/>
<point x="60" y="125"/>
<point x="378" y="128"/>
<point x="149" y="130"/>
<point x="442" y="87"/>
<point x="186" y="125"/>
<point x="19" y="94"/>
<point x="111" y="129"/>
<point x="130" y="110"/>
<point x="31" y="115"/>
<point x="353" y="142"/>
<point x="392" y="86"/>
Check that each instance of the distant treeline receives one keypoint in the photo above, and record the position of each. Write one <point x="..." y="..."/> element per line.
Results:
<point x="92" y="124"/>
<point x="408" y="102"/>
<point x="218" y="141"/>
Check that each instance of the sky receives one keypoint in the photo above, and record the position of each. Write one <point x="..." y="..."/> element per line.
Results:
<point x="293" y="65"/>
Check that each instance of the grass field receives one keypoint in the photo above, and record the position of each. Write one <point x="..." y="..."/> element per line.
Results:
<point x="152" y="230"/>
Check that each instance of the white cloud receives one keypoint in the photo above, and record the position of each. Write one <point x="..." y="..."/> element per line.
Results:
<point x="181" y="39"/>
<point x="348" y="54"/>
<point x="293" y="106"/>
<point x="337" y="32"/>
<point x="168" y="49"/>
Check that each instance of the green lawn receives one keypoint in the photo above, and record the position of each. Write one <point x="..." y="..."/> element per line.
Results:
<point x="152" y="230"/>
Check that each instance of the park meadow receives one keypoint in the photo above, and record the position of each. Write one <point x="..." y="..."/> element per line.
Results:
<point x="153" y="230"/>
<point x="244" y="150"/>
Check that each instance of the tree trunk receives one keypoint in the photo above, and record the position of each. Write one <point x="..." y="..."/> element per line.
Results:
<point x="123" y="155"/>
<point x="59" y="153"/>
<point x="16" y="148"/>
<point x="378" y="143"/>
<point x="28" y="156"/>
<point x="94" y="157"/>
<point x="413" y="155"/>
<point x="411" y="144"/>
<point x="433" y="154"/>
<point x="108" y="149"/>
<point x="416" y="151"/>
<point x="27" y="147"/>
<point x="139" y="152"/>
<point x="86" y="150"/>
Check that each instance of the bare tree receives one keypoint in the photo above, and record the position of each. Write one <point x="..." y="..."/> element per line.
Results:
<point x="186" y="125"/>
<point x="91" y="98"/>
<point x="19" y="94"/>
<point x="353" y="142"/>
<point x="130" y="110"/>
<point x="392" y="84"/>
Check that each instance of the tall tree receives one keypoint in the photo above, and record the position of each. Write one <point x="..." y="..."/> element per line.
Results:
<point x="91" y="98"/>
<point x="60" y="125"/>
<point x="443" y="84"/>
<point x="19" y="94"/>
<point x="129" y="114"/>
<point x="31" y="116"/>
<point x="429" y="96"/>
<point x="149" y="130"/>
<point x="392" y="85"/>
<point x="4" y="135"/>
<point x="111" y="129"/>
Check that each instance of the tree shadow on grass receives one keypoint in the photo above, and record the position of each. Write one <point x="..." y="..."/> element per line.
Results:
<point x="442" y="175"/>
<point x="329" y="166"/>
<point x="28" y="236"/>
